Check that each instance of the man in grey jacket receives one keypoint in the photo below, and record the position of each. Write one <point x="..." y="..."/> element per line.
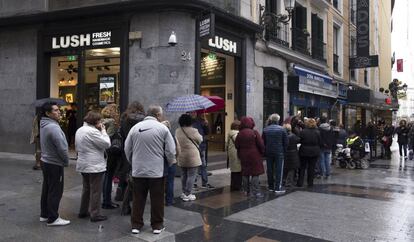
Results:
<point x="54" y="156"/>
<point x="146" y="145"/>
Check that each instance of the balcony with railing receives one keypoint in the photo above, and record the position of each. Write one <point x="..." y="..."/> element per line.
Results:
<point x="301" y="40"/>
<point x="278" y="33"/>
<point x="336" y="63"/>
<point x="318" y="49"/>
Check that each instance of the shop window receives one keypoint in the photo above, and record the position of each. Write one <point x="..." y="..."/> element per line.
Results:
<point x="88" y="87"/>
<point x="272" y="93"/>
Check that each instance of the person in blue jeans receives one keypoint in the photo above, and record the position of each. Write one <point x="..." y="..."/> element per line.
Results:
<point x="328" y="140"/>
<point x="275" y="139"/>
<point x="202" y="126"/>
<point x="169" y="182"/>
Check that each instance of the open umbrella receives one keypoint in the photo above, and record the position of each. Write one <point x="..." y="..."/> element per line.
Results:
<point x="189" y="103"/>
<point x="219" y="104"/>
<point x="39" y="102"/>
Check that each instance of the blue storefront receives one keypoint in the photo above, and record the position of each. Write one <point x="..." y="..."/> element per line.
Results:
<point x="312" y="93"/>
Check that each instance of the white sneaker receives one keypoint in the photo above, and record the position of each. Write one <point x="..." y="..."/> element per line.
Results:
<point x="191" y="197"/>
<point x="42" y="219"/>
<point x="158" y="231"/>
<point x="135" y="231"/>
<point x="280" y="191"/>
<point x="59" y="222"/>
<point x="185" y="198"/>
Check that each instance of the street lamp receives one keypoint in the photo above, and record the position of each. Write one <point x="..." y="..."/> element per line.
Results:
<point x="405" y="87"/>
<point x="268" y="17"/>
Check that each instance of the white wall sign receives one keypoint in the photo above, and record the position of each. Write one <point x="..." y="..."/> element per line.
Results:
<point x="81" y="40"/>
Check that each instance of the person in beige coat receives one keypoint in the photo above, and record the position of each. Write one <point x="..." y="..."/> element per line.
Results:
<point x="189" y="159"/>
<point x="233" y="159"/>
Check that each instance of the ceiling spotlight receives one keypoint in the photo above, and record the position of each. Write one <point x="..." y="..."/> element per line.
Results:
<point x="90" y="68"/>
<point x="71" y="79"/>
<point x="69" y="71"/>
<point x="107" y="68"/>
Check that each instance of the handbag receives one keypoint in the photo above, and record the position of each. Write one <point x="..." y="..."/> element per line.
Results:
<point x="192" y="141"/>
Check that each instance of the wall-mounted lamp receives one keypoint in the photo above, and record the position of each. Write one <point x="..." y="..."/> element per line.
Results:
<point x="267" y="17"/>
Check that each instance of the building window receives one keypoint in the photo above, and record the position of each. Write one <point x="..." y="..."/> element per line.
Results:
<point x="336" y="49"/>
<point x="366" y="78"/>
<point x="353" y="11"/>
<point x="318" y="46"/>
<point x="276" y="32"/>
<point x="300" y="34"/>
<point x="272" y="93"/>
<point x="352" y="53"/>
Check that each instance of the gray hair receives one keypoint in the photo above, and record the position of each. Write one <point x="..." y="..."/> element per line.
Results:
<point x="154" y="110"/>
<point x="274" y="118"/>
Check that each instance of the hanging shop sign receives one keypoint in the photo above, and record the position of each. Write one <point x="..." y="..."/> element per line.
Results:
<point x="312" y="82"/>
<point x="363" y="58"/>
<point x="94" y="39"/>
<point x="206" y="25"/>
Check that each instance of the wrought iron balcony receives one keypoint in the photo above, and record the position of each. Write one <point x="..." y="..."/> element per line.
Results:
<point x="278" y="33"/>
<point x="301" y="40"/>
<point x="318" y="49"/>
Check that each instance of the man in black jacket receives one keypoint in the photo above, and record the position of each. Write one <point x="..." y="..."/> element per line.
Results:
<point x="328" y="140"/>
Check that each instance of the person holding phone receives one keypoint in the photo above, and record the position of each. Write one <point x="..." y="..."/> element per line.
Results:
<point x="91" y="141"/>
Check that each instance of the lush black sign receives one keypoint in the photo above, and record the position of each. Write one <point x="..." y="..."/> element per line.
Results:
<point x="206" y="26"/>
<point x="362" y="22"/>
<point x="363" y="62"/>
<point x="363" y="58"/>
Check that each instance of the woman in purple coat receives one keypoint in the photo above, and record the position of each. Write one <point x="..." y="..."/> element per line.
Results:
<point x="250" y="149"/>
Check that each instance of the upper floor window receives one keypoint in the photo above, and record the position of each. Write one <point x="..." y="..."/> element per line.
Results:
<point x="336" y="49"/>
<point x="352" y="12"/>
<point x="271" y="6"/>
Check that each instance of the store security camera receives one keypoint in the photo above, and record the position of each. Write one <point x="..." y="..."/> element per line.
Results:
<point x="172" y="41"/>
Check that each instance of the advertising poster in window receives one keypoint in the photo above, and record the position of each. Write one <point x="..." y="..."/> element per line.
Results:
<point x="106" y="89"/>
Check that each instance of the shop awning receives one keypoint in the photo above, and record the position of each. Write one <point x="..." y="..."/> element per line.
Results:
<point x="311" y="81"/>
<point x="370" y="99"/>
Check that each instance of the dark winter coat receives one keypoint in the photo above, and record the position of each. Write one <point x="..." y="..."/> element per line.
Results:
<point x="311" y="143"/>
<point x="402" y="132"/>
<point x="275" y="140"/>
<point x="327" y="136"/>
<point x="250" y="148"/>
<point x="292" y="160"/>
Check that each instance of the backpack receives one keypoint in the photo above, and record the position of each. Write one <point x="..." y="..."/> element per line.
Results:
<point x="116" y="144"/>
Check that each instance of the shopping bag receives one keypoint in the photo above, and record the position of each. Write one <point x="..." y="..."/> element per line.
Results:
<point x="367" y="147"/>
<point x="411" y="154"/>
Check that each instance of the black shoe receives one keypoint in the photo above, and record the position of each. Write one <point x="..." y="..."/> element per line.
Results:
<point x="110" y="206"/>
<point x="195" y="186"/>
<point x="99" y="218"/>
<point x="207" y="186"/>
<point x="36" y="167"/>
<point x="209" y="173"/>
<point x="83" y="215"/>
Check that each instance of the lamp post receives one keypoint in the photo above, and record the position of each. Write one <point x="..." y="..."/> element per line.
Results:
<point x="267" y="17"/>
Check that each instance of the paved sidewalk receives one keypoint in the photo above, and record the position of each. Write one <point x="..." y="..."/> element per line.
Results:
<point x="376" y="204"/>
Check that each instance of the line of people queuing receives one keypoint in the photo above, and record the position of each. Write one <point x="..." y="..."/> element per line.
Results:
<point x="138" y="146"/>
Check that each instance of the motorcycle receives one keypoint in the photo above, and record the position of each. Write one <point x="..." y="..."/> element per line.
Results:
<point x="345" y="158"/>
